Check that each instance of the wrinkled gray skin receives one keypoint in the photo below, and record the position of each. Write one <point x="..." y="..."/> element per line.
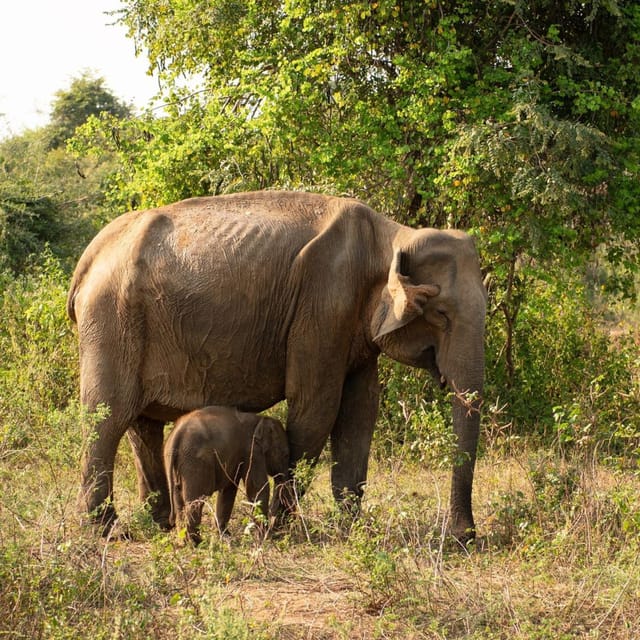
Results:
<point x="248" y="299"/>
<point x="211" y="450"/>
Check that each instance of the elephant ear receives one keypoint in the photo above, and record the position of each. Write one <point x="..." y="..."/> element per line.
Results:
<point x="265" y="434"/>
<point x="261" y="435"/>
<point x="401" y="300"/>
<point x="270" y="440"/>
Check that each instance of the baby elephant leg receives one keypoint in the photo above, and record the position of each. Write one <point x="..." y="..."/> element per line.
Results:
<point x="197" y="486"/>
<point x="224" y="506"/>
<point x="258" y="493"/>
<point x="193" y="517"/>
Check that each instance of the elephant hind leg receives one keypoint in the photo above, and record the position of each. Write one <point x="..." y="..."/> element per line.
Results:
<point x="96" y="492"/>
<point x="105" y="387"/>
<point x="193" y="518"/>
<point x="224" y="506"/>
<point x="146" y="438"/>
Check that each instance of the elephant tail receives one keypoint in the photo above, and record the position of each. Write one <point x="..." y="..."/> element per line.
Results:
<point x="71" y="297"/>
<point x="175" y="487"/>
<point x="175" y="496"/>
<point x="81" y="270"/>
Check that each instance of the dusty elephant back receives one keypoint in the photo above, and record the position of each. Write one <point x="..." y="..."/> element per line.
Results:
<point x="205" y="292"/>
<point x="194" y="230"/>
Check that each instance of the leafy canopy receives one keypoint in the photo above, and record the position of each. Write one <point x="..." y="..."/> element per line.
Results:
<point x="47" y="196"/>
<point x="517" y="118"/>
<point x="87" y="96"/>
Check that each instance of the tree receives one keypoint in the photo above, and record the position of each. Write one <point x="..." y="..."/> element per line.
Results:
<point x="87" y="96"/>
<point x="47" y="196"/>
<point x="393" y="100"/>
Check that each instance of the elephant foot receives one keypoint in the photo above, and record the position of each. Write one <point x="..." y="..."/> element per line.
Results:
<point x="464" y="538"/>
<point x="284" y="506"/>
<point x="160" y="509"/>
<point x="163" y="521"/>
<point x="102" y="519"/>
<point x="194" y="538"/>
<point x="109" y="530"/>
<point x="164" y="525"/>
<point x="118" y="533"/>
<point x="350" y="504"/>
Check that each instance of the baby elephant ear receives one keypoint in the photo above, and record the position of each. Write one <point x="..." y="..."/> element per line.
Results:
<point x="401" y="300"/>
<point x="265" y="433"/>
<point x="261" y="435"/>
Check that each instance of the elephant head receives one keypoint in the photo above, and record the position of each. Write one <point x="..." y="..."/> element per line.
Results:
<point x="431" y="314"/>
<point x="271" y="438"/>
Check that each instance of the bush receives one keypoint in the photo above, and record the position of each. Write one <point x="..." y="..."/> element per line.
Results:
<point x="26" y="225"/>
<point x="414" y="420"/>
<point x="38" y="372"/>
<point x="571" y="384"/>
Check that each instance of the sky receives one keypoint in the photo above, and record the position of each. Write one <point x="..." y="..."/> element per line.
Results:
<point x="44" y="45"/>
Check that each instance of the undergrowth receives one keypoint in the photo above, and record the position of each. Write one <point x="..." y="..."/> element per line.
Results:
<point x="557" y="556"/>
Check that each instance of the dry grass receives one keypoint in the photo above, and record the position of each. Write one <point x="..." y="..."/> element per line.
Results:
<point x="557" y="558"/>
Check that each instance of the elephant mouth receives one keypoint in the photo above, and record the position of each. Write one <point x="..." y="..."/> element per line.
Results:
<point x="428" y="362"/>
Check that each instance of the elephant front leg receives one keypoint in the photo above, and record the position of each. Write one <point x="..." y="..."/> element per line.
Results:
<point x="307" y="439"/>
<point x="224" y="506"/>
<point x="257" y="485"/>
<point x="351" y="436"/>
<point x="146" y="438"/>
<point x="315" y="376"/>
<point x="193" y="518"/>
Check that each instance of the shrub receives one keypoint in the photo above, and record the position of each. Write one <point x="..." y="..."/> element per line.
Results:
<point x="38" y="372"/>
<point x="571" y="384"/>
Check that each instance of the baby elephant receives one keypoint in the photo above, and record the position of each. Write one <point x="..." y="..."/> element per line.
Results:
<point x="212" y="449"/>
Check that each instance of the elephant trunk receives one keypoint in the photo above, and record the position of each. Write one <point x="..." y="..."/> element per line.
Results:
<point x="466" y="382"/>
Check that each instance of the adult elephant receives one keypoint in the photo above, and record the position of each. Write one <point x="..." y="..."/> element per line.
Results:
<point x="248" y="299"/>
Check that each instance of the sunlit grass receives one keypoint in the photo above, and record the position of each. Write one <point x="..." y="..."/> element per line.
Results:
<point x="556" y="557"/>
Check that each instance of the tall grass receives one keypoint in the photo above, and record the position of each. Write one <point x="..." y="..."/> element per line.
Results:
<point x="557" y="558"/>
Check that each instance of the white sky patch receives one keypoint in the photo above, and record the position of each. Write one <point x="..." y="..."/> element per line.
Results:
<point x="44" y="45"/>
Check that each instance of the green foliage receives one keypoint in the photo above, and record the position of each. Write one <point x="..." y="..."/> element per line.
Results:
<point x="564" y="509"/>
<point x="421" y="109"/>
<point x="567" y="378"/>
<point x="181" y="157"/>
<point x="47" y="197"/>
<point x="223" y="624"/>
<point x="72" y="107"/>
<point x="38" y="373"/>
<point x="415" y="419"/>
<point x="367" y="551"/>
<point x="26" y="225"/>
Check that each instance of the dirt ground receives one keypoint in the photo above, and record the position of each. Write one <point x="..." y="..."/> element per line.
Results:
<point x="319" y="608"/>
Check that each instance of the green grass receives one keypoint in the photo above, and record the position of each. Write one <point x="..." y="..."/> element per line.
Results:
<point x="557" y="557"/>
